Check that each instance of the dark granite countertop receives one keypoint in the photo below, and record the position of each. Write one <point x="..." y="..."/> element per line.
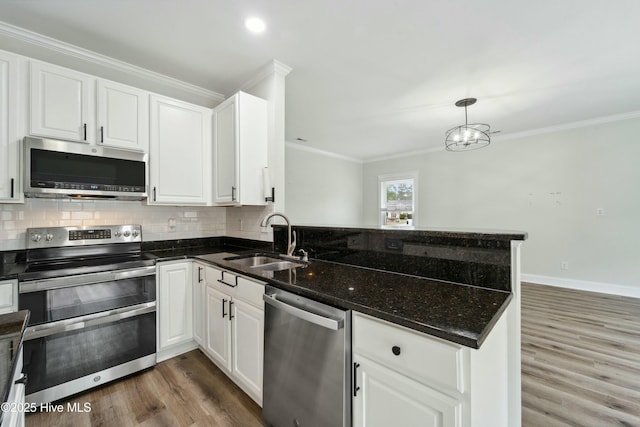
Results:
<point x="11" y="333"/>
<point x="459" y="313"/>
<point x="456" y="312"/>
<point x="11" y="271"/>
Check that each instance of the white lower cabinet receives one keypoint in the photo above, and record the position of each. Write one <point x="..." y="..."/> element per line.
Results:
<point x="387" y="398"/>
<point x="198" y="303"/>
<point x="16" y="397"/>
<point x="218" y="328"/>
<point x="175" y="308"/>
<point x="8" y="296"/>
<point x="247" y="347"/>
<point x="234" y="329"/>
<point x="406" y="378"/>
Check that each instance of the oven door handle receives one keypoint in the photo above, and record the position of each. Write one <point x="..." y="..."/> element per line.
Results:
<point x="85" y="279"/>
<point x="47" y="329"/>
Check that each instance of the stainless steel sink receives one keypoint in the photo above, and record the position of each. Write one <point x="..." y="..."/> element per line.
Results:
<point x="263" y="262"/>
<point x="252" y="260"/>
<point x="277" y="266"/>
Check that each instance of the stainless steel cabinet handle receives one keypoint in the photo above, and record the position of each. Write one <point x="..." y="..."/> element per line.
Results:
<point x="356" y="387"/>
<point x="199" y="274"/>
<point x="226" y="283"/>
<point x="223" y="303"/>
<point x="231" y="316"/>
<point x="325" y="322"/>
<point x="233" y="194"/>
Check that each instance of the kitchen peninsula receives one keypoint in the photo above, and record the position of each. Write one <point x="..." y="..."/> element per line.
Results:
<point x="436" y="322"/>
<point x="452" y="298"/>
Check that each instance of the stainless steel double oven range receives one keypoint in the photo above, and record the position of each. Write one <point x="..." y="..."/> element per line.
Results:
<point x="92" y="297"/>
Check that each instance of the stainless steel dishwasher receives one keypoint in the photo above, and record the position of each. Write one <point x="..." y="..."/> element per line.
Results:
<point x="307" y="362"/>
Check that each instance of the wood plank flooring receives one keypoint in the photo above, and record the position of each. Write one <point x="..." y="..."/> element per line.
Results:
<point x="580" y="358"/>
<point x="187" y="390"/>
<point x="580" y="367"/>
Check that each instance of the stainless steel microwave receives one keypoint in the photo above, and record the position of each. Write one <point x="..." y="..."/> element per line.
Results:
<point x="61" y="169"/>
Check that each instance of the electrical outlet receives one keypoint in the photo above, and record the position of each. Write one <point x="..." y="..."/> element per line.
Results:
<point x="564" y="265"/>
<point x="600" y="212"/>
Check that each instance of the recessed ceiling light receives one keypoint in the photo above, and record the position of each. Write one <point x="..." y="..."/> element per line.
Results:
<point x="255" y="25"/>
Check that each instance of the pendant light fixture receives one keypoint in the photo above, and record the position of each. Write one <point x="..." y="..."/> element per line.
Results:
<point x="469" y="136"/>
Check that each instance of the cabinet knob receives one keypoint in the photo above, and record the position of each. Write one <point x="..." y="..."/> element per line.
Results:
<point x="395" y="350"/>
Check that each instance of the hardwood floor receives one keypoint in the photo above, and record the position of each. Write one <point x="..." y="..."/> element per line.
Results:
<point x="187" y="390"/>
<point x="580" y="358"/>
<point x="580" y="367"/>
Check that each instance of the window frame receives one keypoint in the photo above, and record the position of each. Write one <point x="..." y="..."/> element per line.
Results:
<point x="404" y="176"/>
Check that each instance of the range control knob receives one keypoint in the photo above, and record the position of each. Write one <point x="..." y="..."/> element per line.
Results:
<point x="127" y="233"/>
<point x="135" y="232"/>
<point x="118" y="233"/>
<point x="48" y="237"/>
<point x="36" y="237"/>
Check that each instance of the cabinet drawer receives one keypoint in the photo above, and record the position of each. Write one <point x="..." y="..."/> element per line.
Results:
<point x="429" y="360"/>
<point x="216" y="277"/>
<point x="250" y="291"/>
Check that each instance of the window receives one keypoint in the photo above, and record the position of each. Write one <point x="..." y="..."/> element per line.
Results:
<point x="398" y="200"/>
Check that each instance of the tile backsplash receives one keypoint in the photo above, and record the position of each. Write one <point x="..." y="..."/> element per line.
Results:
<point x="158" y="222"/>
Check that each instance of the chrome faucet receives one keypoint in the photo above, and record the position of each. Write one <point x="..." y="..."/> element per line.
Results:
<point x="291" y="243"/>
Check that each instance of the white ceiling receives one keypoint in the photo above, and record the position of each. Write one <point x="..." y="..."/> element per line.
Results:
<point x="374" y="78"/>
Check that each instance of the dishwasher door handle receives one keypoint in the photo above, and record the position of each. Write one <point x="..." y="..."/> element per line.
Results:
<point x="317" y="319"/>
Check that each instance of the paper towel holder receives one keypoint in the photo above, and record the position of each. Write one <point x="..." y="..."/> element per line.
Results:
<point x="273" y="195"/>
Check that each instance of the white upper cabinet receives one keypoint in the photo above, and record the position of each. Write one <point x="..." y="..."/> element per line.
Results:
<point x="10" y="179"/>
<point x="123" y="116"/>
<point x="69" y="105"/>
<point x="240" y="150"/>
<point x="179" y="153"/>
<point x="61" y="104"/>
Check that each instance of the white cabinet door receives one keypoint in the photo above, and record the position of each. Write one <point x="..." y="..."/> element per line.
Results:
<point x="10" y="188"/>
<point x="123" y="116"/>
<point x="224" y="155"/>
<point x="248" y="347"/>
<point x="387" y="398"/>
<point x="8" y="296"/>
<point x="218" y="327"/>
<point x="61" y="103"/>
<point x="179" y="153"/>
<point x="198" y="304"/>
<point x="175" y="314"/>
<point x="240" y="150"/>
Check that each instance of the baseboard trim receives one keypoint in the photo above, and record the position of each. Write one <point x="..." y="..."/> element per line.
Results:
<point x="583" y="285"/>
<point x="175" y="350"/>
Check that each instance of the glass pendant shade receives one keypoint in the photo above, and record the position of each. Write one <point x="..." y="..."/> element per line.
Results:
<point x="469" y="136"/>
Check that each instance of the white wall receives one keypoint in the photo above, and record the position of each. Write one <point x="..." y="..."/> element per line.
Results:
<point x="191" y="222"/>
<point x="322" y="189"/>
<point x="549" y="185"/>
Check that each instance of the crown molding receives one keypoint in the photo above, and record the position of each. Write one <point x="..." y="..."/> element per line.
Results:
<point x="68" y="49"/>
<point x="272" y="67"/>
<point x="568" y="126"/>
<point x="516" y="135"/>
<point x="296" y="146"/>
